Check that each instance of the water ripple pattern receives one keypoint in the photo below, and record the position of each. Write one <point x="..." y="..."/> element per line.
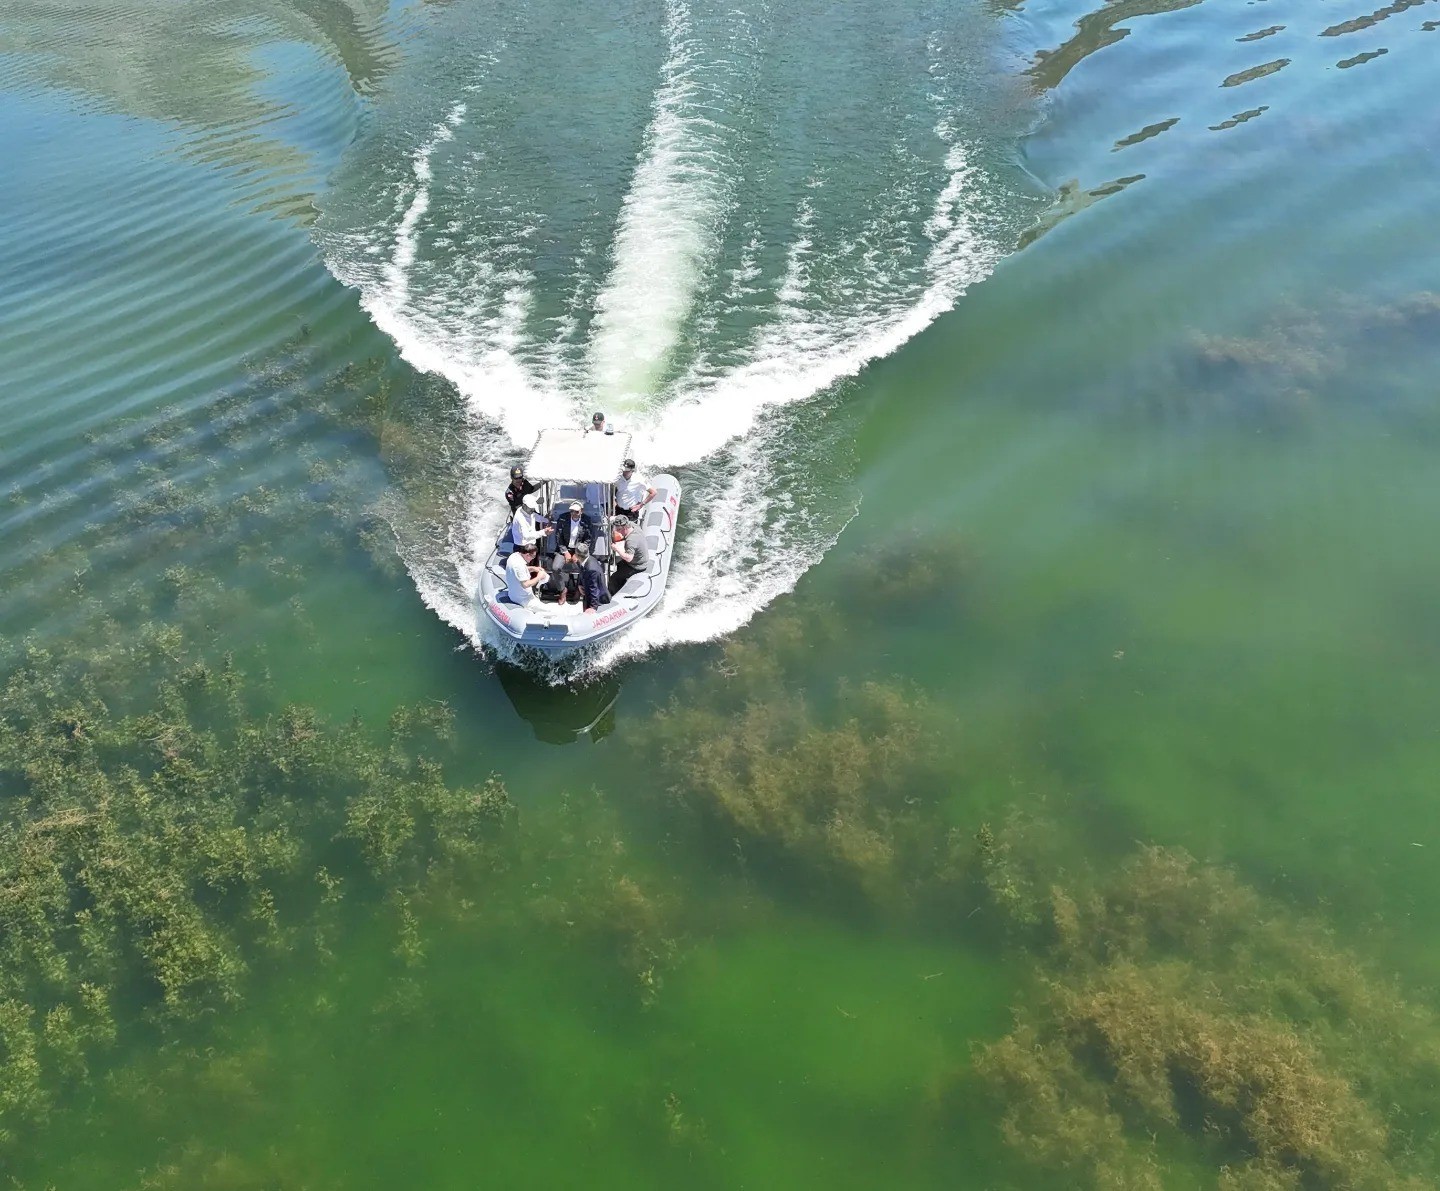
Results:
<point x="694" y="217"/>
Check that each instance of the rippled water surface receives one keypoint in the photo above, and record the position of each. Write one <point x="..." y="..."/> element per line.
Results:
<point x="1054" y="390"/>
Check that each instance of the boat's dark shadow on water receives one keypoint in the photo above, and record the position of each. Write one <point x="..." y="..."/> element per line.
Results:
<point x="569" y="714"/>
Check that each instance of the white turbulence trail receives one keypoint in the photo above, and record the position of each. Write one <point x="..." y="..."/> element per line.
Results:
<point x="474" y="349"/>
<point x="728" y="572"/>
<point x="803" y="352"/>
<point x="395" y="278"/>
<point x="477" y="351"/>
<point x="667" y="234"/>
<point x="468" y="321"/>
<point x="728" y="569"/>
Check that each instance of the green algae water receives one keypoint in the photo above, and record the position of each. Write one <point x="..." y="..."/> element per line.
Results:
<point x="1029" y="780"/>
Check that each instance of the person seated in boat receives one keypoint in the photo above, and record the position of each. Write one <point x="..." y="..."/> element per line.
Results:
<point x="522" y="576"/>
<point x="567" y="572"/>
<point x="632" y="493"/>
<point x="519" y="488"/>
<point x="593" y="592"/>
<point x="528" y="526"/>
<point x="599" y="424"/>
<point x="574" y="529"/>
<point x="631" y="556"/>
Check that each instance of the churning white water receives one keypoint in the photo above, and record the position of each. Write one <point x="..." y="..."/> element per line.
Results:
<point x="772" y="231"/>
<point x="665" y="240"/>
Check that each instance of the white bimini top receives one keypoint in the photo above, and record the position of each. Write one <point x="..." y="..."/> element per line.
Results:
<point x="581" y="456"/>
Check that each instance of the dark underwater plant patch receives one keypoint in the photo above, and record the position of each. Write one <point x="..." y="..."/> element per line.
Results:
<point x="1181" y="1012"/>
<point x="152" y="860"/>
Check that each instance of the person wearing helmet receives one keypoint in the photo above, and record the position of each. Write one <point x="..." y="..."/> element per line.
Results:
<point x="519" y="488"/>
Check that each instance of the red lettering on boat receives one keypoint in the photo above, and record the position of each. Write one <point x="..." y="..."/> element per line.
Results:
<point x="500" y="616"/>
<point x="610" y="617"/>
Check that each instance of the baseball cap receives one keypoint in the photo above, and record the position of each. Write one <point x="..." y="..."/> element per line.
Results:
<point x="576" y="507"/>
<point x="629" y="465"/>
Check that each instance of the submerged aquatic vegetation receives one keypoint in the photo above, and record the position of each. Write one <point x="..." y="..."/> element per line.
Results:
<point x="154" y="850"/>
<point x="577" y="882"/>
<point x="1181" y="1021"/>
<point x="842" y="793"/>
<point x="173" y="843"/>
<point x="857" y="789"/>
<point x="1305" y="359"/>
<point x="172" y="495"/>
<point x="1182" y="1011"/>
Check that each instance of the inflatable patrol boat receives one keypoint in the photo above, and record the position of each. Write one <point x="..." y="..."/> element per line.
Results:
<point x="583" y="466"/>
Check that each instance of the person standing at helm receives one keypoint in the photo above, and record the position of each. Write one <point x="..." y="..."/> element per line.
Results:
<point x="599" y="424"/>
<point x="632" y="493"/>
<point x="519" y="488"/>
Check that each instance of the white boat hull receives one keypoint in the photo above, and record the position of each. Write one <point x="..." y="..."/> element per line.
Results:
<point x="558" y="629"/>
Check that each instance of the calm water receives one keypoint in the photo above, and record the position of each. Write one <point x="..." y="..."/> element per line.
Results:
<point x="1099" y="345"/>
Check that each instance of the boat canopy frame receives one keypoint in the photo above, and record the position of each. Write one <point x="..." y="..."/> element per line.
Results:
<point x="578" y="456"/>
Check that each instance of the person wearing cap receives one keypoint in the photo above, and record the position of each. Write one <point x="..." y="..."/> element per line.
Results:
<point x="519" y="488"/>
<point x="632" y="558"/>
<point x="599" y="424"/>
<point x="632" y="493"/>
<point x="527" y="526"/>
<point x="574" y="529"/>
<point x="522" y="576"/>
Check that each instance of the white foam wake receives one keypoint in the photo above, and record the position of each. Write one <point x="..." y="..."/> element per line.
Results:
<point x="415" y="308"/>
<point x="467" y="321"/>
<point x="666" y="236"/>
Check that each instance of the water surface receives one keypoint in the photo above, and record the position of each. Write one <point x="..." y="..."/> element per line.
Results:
<point x="1067" y="371"/>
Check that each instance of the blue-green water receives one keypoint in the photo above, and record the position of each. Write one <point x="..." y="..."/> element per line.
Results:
<point x="1063" y="370"/>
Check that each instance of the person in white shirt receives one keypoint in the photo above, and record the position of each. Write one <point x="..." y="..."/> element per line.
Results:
<point x="527" y="527"/>
<point x="632" y="493"/>
<point x="522" y="577"/>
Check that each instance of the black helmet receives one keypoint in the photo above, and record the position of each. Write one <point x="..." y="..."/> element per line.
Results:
<point x="516" y="472"/>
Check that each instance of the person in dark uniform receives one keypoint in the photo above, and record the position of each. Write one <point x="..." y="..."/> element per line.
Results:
<point x="519" y="488"/>
<point x="592" y="584"/>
